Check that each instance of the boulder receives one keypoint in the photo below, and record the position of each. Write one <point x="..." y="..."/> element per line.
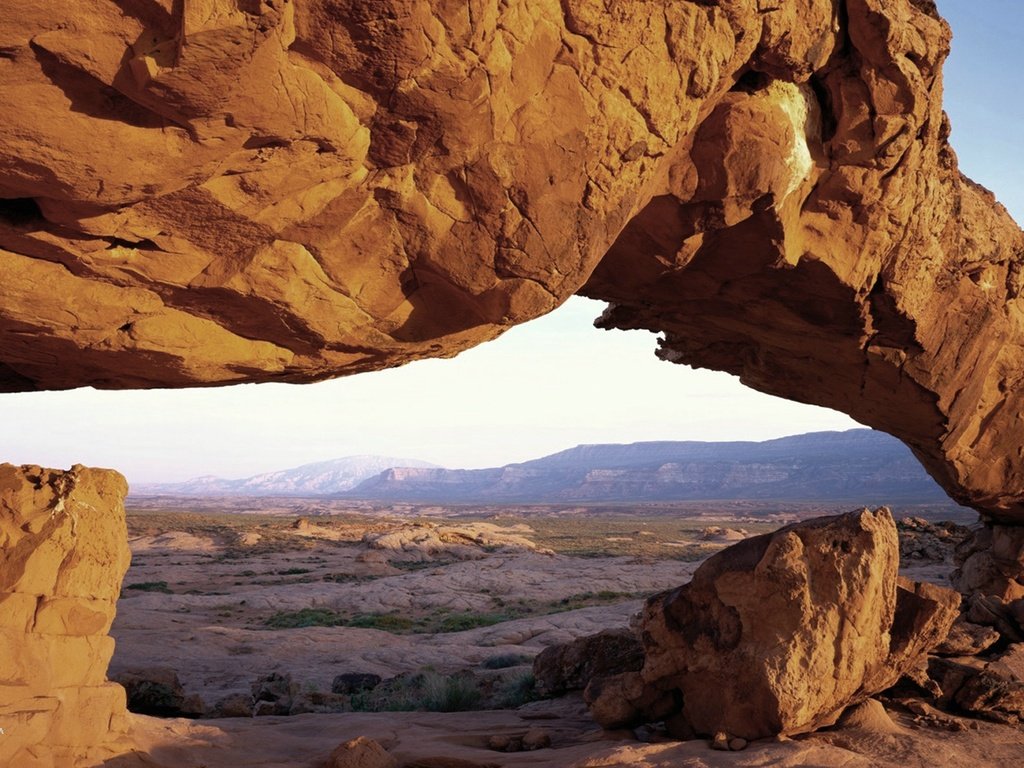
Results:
<point x="63" y="554"/>
<point x="780" y="633"/>
<point x="157" y="691"/>
<point x="571" y="666"/>
<point x="360" y="752"/>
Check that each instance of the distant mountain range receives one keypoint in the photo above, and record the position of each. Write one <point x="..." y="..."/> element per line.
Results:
<point x="323" y="478"/>
<point x="859" y="464"/>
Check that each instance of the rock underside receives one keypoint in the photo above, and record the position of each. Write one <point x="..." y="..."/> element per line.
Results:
<point x="289" y="190"/>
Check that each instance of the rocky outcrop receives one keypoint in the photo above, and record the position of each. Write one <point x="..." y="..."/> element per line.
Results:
<point x="158" y="691"/>
<point x="571" y="666"/>
<point x="992" y="562"/>
<point x="64" y="553"/>
<point x="309" y="188"/>
<point x="779" y="634"/>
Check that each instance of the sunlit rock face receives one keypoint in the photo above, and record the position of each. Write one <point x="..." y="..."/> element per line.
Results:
<point x="63" y="553"/>
<point x="778" y="634"/>
<point x="251" y="190"/>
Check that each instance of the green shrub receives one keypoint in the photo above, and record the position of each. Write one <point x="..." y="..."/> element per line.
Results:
<point x="307" y="617"/>
<point x="504" y="660"/>
<point x="388" y="622"/>
<point x="451" y="693"/>
<point x="517" y="691"/>
<point x="150" y="586"/>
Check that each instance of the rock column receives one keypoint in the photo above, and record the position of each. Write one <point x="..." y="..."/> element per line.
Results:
<point x="63" y="554"/>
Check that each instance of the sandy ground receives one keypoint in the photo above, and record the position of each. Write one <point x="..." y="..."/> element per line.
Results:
<point x="212" y="631"/>
<point x="307" y="740"/>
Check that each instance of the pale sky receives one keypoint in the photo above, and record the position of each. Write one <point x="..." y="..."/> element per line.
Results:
<point x="540" y="388"/>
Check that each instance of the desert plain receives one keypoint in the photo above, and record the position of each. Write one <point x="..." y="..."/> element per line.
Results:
<point x="311" y="623"/>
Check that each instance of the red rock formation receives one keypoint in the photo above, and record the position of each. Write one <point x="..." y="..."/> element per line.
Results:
<point x="250" y="190"/>
<point x="64" y="553"/>
<point x="779" y="633"/>
<point x="414" y="180"/>
<point x="818" y="241"/>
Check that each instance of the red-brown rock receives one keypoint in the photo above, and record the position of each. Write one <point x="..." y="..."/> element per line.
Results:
<point x="780" y="633"/>
<point x="64" y="552"/>
<point x="286" y="190"/>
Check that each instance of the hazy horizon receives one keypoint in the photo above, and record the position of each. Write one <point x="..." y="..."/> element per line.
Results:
<point x="331" y="459"/>
<point x="541" y="388"/>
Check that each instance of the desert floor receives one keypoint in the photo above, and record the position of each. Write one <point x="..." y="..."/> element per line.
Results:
<point x="220" y="597"/>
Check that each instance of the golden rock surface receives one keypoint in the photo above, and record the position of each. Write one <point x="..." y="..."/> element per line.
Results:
<point x="221" y="191"/>
<point x="63" y="554"/>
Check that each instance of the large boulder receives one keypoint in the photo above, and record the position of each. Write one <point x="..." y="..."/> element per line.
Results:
<point x="63" y="553"/>
<point x="780" y="633"/>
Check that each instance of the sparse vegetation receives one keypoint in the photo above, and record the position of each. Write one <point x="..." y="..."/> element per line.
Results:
<point x="150" y="586"/>
<point x="306" y="617"/>
<point x="388" y="622"/>
<point x="449" y="693"/>
<point x="505" y="660"/>
<point x="517" y="691"/>
<point x="427" y="691"/>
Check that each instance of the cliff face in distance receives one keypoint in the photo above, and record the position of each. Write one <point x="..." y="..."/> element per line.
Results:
<point x="252" y="190"/>
<point x="859" y="465"/>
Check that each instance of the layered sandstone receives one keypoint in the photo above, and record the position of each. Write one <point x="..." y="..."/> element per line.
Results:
<point x="253" y="190"/>
<point x="63" y="553"/>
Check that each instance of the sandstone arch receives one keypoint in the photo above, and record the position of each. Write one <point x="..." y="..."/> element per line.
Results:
<point x="216" y="191"/>
<point x="770" y="186"/>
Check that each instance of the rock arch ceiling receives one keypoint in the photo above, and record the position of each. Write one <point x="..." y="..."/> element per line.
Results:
<point x="220" y="191"/>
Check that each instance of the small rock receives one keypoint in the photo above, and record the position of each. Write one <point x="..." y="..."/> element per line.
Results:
<point x="868" y="716"/>
<point x="360" y="752"/>
<point x="355" y="682"/>
<point x="720" y="741"/>
<point x="737" y="744"/>
<point x="536" y="738"/>
<point x="235" y="705"/>
<point x="499" y="742"/>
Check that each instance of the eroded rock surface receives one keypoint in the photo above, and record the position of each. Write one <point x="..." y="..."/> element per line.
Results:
<point x="780" y="633"/>
<point x="63" y="553"/>
<point x="226" y="191"/>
